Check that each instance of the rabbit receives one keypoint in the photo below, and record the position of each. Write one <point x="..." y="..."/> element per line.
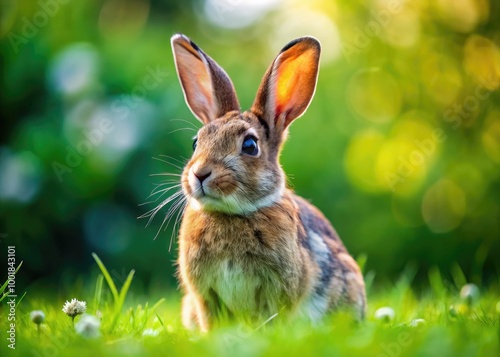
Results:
<point x="249" y="248"/>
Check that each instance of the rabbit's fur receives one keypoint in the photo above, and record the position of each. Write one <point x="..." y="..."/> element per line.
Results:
<point x="248" y="246"/>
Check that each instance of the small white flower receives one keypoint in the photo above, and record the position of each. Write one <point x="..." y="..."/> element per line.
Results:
<point x="88" y="326"/>
<point x="469" y="293"/>
<point x="37" y="316"/>
<point x="74" y="308"/>
<point x="149" y="332"/>
<point x="385" y="314"/>
<point x="417" y="323"/>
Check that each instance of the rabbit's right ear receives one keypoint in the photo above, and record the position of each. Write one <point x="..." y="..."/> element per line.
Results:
<point x="289" y="84"/>
<point x="207" y="89"/>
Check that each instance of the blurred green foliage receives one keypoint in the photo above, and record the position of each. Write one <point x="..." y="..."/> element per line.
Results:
<point x="400" y="147"/>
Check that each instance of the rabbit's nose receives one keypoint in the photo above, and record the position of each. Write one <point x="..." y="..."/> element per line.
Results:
<point x="202" y="176"/>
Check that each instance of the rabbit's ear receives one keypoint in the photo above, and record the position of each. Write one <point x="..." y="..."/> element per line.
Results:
<point x="288" y="85"/>
<point x="207" y="89"/>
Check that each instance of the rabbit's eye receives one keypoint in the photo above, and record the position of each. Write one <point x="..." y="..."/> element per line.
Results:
<point x="195" y="141"/>
<point x="249" y="146"/>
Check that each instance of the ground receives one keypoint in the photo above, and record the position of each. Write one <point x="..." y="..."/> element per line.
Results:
<point x="428" y="321"/>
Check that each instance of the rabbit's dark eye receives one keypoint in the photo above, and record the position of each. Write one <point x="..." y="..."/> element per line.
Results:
<point x="249" y="146"/>
<point x="195" y="141"/>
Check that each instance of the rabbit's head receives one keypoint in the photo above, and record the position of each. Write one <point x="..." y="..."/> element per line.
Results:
<point x="234" y="168"/>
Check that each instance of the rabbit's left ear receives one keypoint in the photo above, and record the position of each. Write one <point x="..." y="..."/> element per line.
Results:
<point x="208" y="91"/>
<point x="289" y="84"/>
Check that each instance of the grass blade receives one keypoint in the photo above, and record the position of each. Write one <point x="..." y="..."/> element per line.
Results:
<point x="158" y="303"/>
<point x="98" y="292"/>
<point x="110" y="282"/>
<point x="21" y="299"/>
<point x="4" y="286"/>
<point x="121" y="299"/>
<point x="159" y="319"/>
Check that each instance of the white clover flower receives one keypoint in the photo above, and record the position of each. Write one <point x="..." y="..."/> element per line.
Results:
<point x="417" y="323"/>
<point x="469" y="293"/>
<point x="149" y="332"/>
<point x="74" y="308"/>
<point x="385" y="314"/>
<point x="88" y="327"/>
<point x="37" y="316"/>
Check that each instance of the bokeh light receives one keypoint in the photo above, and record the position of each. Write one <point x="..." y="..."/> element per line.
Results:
<point x="482" y="61"/>
<point x="360" y="160"/>
<point x="374" y="95"/>
<point x="75" y="69"/>
<point x="299" y="20"/>
<point x="237" y="13"/>
<point x="490" y="137"/>
<point x="443" y="206"/>
<point x="20" y="176"/>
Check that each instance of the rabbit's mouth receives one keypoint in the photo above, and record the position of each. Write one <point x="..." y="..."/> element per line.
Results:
<point x="229" y="204"/>
<point x="234" y="203"/>
<point x="209" y="199"/>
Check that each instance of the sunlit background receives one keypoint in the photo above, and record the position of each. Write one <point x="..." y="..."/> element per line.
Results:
<point x="400" y="147"/>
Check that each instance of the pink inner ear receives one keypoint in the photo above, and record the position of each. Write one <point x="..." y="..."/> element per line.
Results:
<point x="207" y="89"/>
<point x="295" y="81"/>
<point x="196" y="82"/>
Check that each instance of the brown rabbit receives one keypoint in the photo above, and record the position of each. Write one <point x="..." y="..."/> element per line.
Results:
<point x="249" y="247"/>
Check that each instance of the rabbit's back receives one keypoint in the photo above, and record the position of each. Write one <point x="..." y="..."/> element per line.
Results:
<point x="337" y="280"/>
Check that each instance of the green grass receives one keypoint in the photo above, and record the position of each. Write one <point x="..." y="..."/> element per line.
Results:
<point x="472" y="330"/>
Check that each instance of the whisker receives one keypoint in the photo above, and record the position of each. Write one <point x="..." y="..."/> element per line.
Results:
<point x="173" y="158"/>
<point x="168" y="163"/>
<point x="180" y="129"/>
<point x="176" y="225"/>
<point x="169" y="212"/>
<point x="160" y="188"/>
<point x="151" y="214"/>
<point x="165" y="174"/>
<point x="161" y="194"/>
<point x="176" y="202"/>
<point x="179" y="204"/>
<point x="161" y="185"/>
<point x="185" y="121"/>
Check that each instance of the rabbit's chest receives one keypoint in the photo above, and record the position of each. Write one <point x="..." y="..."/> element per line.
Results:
<point x="241" y="285"/>
<point x="235" y="285"/>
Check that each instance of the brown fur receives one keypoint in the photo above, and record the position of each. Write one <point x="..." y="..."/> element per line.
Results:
<point x="248" y="247"/>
